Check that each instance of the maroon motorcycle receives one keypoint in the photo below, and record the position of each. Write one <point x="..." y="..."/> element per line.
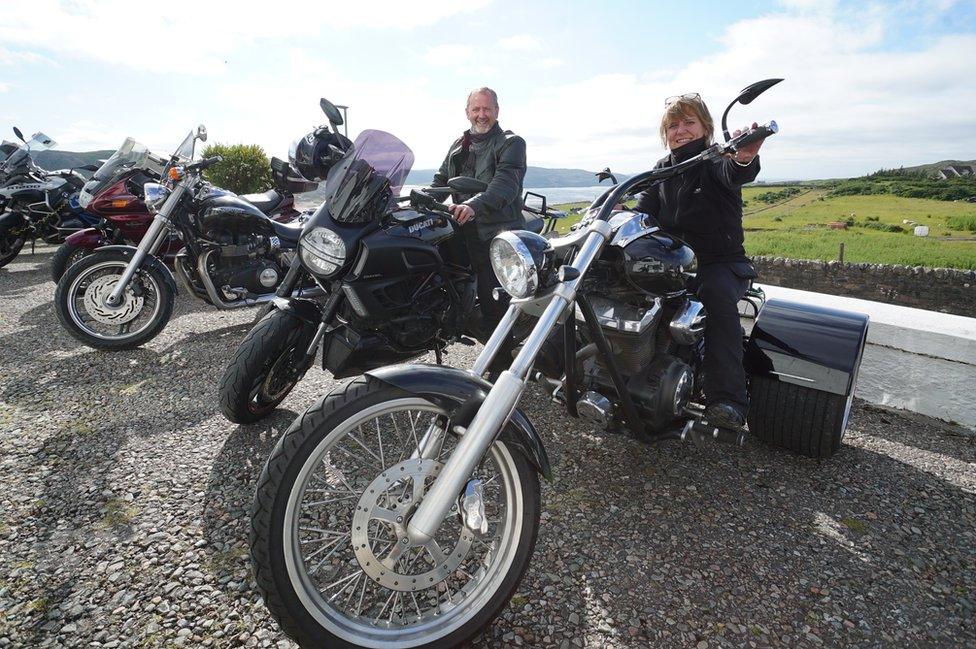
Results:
<point x="115" y="195"/>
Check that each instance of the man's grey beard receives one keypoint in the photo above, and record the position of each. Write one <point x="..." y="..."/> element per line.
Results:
<point x="478" y="129"/>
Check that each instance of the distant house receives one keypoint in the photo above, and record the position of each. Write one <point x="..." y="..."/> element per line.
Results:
<point x="955" y="171"/>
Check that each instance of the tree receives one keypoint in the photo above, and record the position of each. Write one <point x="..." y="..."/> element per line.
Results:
<point x="245" y="168"/>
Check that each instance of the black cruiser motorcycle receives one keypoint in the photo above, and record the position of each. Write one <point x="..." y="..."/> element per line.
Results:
<point x="401" y="510"/>
<point x="397" y="286"/>
<point x="35" y="203"/>
<point x="234" y="255"/>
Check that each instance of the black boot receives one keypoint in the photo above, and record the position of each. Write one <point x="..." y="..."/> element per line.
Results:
<point x="724" y="415"/>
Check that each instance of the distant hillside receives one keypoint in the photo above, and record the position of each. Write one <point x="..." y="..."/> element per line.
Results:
<point x="536" y="177"/>
<point x="936" y="166"/>
<point x="66" y="159"/>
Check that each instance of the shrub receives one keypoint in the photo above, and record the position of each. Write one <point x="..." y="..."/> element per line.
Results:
<point x="245" y="168"/>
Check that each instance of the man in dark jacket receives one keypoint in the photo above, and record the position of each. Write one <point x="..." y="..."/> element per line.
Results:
<point x="497" y="157"/>
<point x="704" y="208"/>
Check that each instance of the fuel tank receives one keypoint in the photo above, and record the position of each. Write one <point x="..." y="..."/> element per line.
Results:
<point x="223" y="214"/>
<point x="658" y="262"/>
<point x="396" y="261"/>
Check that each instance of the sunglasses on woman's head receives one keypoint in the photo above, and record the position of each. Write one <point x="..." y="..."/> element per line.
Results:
<point x="688" y="96"/>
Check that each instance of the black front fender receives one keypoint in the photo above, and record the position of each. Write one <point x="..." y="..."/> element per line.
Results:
<point x="461" y="394"/>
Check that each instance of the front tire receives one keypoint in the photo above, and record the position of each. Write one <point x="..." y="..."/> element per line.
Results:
<point x="805" y="421"/>
<point x="146" y="307"/>
<point x="65" y="257"/>
<point x="455" y="598"/>
<point x="265" y="367"/>
<point x="10" y="245"/>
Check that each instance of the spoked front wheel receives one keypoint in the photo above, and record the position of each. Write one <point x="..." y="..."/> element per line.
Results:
<point x="146" y="306"/>
<point x="328" y="527"/>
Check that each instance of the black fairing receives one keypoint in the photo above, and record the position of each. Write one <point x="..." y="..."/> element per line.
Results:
<point x="811" y="346"/>
<point x="657" y="263"/>
<point x="228" y="214"/>
<point x="460" y="394"/>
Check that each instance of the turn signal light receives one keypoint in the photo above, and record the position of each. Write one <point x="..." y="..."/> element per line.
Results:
<point x="120" y="202"/>
<point x="174" y="173"/>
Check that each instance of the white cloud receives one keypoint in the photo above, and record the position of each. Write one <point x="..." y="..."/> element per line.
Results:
<point x="12" y="57"/>
<point x="4" y="87"/>
<point x="520" y="43"/>
<point x="551" y="62"/>
<point x="847" y="106"/>
<point x="448" y="54"/>
<point x="200" y="34"/>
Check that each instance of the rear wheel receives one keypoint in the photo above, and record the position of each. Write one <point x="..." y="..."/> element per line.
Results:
<point x="328" y="527"/>
<point x="65" y="257"/>
<point x="265" y="368"/>
<point x="805" y="421"/>
<point x="10" y="245"/>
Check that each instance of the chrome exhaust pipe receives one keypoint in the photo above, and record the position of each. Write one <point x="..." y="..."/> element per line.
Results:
<point x="218" y="301"/>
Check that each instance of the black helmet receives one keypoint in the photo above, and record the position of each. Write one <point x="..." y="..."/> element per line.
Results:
<point x="312" y="154"/>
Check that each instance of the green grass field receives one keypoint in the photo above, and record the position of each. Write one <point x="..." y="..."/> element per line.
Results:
<point x="798" y="228"/>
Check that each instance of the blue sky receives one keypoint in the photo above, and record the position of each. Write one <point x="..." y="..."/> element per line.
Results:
<point x="867" y="84"/>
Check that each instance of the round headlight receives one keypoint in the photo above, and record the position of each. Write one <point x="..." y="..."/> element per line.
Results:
<point x="519" y="258"/>
<point x="156" y="195"/>
<point x="322" y="251"/>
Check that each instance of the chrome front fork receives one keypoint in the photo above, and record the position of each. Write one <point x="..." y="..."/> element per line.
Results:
<point x="148" y="246"/>
<point x="503" y="397"/>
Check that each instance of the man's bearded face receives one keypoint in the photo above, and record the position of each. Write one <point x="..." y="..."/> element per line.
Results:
<point x="482" y="113"/>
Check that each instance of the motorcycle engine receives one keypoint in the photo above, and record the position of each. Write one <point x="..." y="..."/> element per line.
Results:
<point x="245" y="266"/>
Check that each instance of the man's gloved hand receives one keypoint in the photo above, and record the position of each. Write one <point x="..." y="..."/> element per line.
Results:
<point x="462" y="213"/>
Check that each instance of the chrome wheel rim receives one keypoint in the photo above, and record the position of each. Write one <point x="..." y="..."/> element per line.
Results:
<point x="86" y="302"/>
<point x="369" y="592"/>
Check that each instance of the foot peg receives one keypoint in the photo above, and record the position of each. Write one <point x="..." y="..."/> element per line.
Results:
<point x="700" y="430"/>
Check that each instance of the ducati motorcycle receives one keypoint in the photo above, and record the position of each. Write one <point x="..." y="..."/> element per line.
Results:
<point x="34" y="203"/>
<point x="233" y="256"/>
<point x="401" y="509"/>
<point x="394" y="272"/>
<point x="114" y="195"/>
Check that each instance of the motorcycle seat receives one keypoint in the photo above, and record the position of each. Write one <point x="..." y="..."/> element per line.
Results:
<point x="266" y="202"/>
<point x="288" y="233"/>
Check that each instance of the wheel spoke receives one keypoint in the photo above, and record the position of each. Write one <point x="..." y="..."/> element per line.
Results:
<point x="379" y="438"/>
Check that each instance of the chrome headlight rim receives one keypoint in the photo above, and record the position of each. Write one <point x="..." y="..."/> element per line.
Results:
<point x="154" y="195"/>
<point x="525" y="259"/>
<point x="318" y="251"/>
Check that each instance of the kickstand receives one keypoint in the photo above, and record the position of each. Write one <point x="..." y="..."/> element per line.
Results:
<point x="32" y="246"/>
<point x="438" y="356"/>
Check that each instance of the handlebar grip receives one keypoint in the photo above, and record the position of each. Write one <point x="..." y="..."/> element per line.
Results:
<point x="754" y="135"/>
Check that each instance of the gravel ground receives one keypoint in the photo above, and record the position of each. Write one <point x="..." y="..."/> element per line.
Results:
<point x="122" y="514"/>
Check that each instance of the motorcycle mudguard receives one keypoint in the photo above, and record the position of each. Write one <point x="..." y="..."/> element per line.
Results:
<point x="88" y="238"/>
<point x="12" y="220"/>
<point x="149" y="260"/>
<point x="307" y="310"/>
<point x="811" y="346"/>
<point x="461" y="394"/>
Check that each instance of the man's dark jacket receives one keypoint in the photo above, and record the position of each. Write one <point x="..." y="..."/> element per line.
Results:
<point x="704" y="205"/>
<point x="499" y="207"/>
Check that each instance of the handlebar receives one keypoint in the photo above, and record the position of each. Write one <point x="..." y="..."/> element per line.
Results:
<point x="648" y="179"/>
<point x="205" y="163"/>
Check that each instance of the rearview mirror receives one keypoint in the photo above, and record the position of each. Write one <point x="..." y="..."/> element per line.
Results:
<point x="330" y="110"/>
<point x="746" y="95"/>
<point x="202" y="133"/>
<point x="19" y="135"/>
<point x="89" y="168"/>
<point x="606" y="173"/>
<point x="467" y="185"/>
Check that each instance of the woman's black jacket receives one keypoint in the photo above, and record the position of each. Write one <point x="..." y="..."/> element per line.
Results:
<point x="703" y="206"/>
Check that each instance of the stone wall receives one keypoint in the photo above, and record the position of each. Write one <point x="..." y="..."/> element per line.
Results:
<point x="935" y="289"/>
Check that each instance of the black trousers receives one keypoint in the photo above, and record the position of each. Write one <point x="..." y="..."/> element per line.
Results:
<point x="720" y="286"/>
<point x="492" y="310"/>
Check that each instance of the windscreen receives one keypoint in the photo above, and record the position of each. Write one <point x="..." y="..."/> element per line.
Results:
<point x="362" y="185"/>
<point x="131" y="155"/>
